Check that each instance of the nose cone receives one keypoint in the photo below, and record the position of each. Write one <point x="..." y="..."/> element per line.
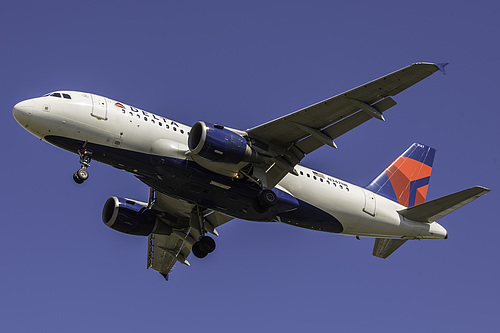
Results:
<point x="22" y="112"/>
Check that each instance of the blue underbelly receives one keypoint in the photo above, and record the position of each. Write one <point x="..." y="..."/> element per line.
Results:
<point x="188" y="181"/>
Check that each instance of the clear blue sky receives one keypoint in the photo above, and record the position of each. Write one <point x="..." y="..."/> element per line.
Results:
<point x="240" y="64"/>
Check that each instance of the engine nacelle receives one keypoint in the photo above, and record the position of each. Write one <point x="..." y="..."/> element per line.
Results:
<point x="129" y="217"/>
<point x="218" y="144"/>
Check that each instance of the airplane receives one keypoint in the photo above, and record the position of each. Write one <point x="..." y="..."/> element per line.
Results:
<point x="203" y="176"/>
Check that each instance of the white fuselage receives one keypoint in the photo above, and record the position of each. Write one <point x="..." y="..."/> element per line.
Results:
<point x="91" y="118"/>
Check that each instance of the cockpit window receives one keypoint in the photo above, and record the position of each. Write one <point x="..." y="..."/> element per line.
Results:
<point x="56" y="94"/>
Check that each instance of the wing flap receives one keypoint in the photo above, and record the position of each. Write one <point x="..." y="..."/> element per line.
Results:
<point x="384" y="247"/>
<point x="435" y="209"/>
<point x="165" y="250"/>
<point x="343" y="126"/>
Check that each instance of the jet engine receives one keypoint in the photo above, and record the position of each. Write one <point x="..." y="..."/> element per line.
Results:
<point x="218" y="144"/>
<point x="131" y="217"/>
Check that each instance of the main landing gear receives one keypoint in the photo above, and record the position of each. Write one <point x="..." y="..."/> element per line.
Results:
<point x="82" y="174"/>
<point x="203" y="247"/>
<point x="205" y="244"/>
<point x="265" y="200"/>
<point x="268" y="198"/>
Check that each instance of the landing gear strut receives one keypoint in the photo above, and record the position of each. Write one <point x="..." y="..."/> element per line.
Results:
<point x="205" y="244"/>
<point x="82" y="174"/>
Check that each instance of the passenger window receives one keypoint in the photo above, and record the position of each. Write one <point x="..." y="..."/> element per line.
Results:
<point x="66" y="96"/>
<point x="56" y="95"/>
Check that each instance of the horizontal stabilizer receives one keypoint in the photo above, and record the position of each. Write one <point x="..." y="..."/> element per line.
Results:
<point x="434" y="210"/>
<point x="384" y="247"/>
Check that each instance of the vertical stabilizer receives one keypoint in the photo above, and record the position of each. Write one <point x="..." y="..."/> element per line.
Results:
<point x="406" y="180"/>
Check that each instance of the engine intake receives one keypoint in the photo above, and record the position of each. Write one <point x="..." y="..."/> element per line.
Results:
<point x="218" y="144"/>
<point x="129" y="217"/>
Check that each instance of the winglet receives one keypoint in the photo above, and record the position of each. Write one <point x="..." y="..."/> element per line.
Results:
<point x="441" y="66"/>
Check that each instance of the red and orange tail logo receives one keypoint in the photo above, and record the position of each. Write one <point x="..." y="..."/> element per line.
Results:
<point x="406" y="180"/>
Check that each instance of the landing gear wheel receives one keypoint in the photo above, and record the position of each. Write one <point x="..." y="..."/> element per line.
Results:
<point x="203" y="247"/>
<point x="197" y="251"/>
<point x="76" y="179"/>
<point x="85" y="157"/>
<point x="268" y="198"/>
<point x="82" y="174"/>
<point x="207" y="244"/>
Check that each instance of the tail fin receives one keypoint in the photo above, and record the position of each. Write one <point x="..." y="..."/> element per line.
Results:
<point x="406" y="180"/>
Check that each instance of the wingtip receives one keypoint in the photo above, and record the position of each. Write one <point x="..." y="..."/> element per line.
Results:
<point x="441" y="66"/>
<point x="484" y="189"/>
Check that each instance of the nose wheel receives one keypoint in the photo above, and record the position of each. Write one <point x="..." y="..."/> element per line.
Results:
<point x="82" y="174"/>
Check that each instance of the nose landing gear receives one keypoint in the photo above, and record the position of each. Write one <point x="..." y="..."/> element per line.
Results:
<point x="82" y="174"/>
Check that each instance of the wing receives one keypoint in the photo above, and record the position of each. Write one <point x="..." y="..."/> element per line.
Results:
<point x="164" y="250"/>
<point x="301" y="132"/>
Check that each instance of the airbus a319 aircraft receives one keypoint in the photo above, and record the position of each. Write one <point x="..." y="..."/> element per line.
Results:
<point x="203" y="176"/>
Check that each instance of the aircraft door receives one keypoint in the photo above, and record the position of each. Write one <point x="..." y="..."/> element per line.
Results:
<point x="99" y="107"/>
<point x="370" y="204"/>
